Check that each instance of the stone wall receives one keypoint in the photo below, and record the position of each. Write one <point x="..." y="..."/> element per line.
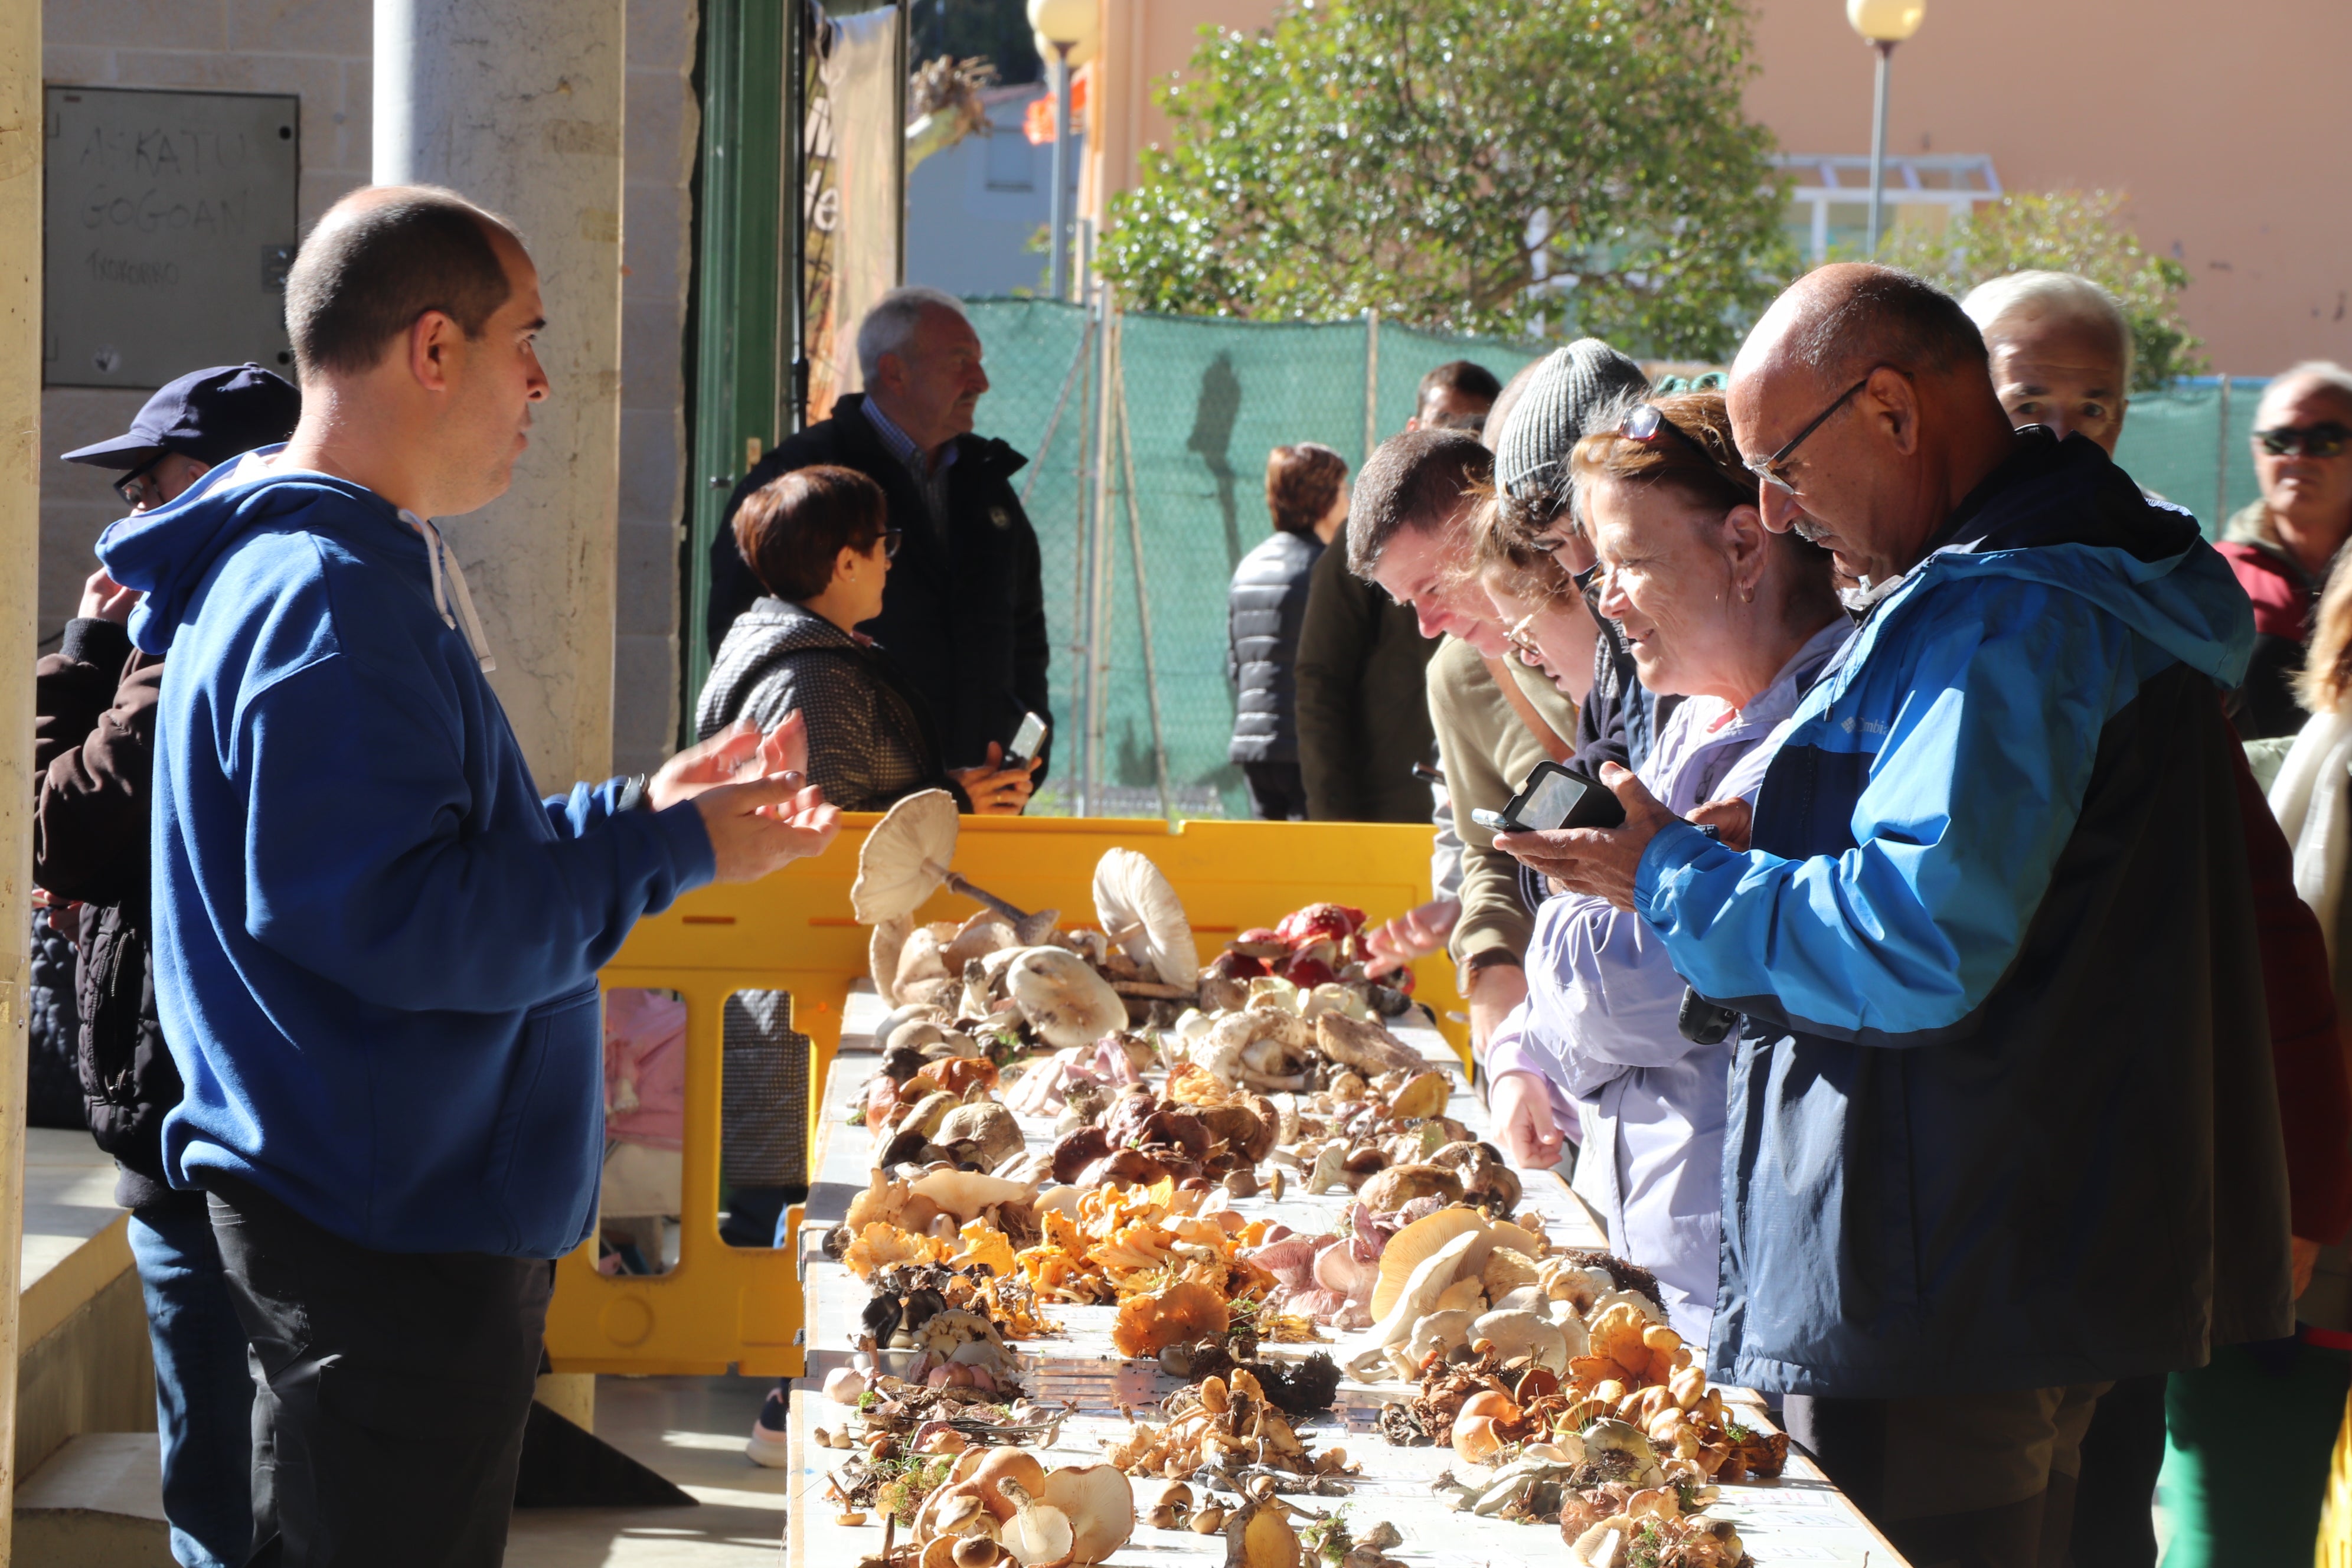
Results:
<point x="319" y="50"/>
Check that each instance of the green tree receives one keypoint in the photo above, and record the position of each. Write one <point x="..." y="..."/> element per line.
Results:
<point x="1437" y="160"/>
<point x="2068" y="231"/>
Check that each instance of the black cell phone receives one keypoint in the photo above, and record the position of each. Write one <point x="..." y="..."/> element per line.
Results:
<point x="1026" y="741"/>
<point x="1555" y="797"/>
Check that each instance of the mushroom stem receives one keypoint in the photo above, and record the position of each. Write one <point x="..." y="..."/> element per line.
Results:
<point x="1031" y="929"/>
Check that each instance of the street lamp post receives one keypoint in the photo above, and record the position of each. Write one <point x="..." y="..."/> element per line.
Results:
<point x="1063" y="25"/>
<point x="1882" y="24"/>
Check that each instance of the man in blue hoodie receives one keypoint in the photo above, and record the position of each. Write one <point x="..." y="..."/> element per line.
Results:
<point x="375" y="945"/>
<point x="2002" y="1126"/>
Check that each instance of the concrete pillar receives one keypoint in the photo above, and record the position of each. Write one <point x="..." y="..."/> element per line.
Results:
<point x="517" y="104"/>
<point x="20" y="536"/>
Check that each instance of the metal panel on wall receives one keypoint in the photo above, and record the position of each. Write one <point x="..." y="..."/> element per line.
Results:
<point x="170" y="221"/>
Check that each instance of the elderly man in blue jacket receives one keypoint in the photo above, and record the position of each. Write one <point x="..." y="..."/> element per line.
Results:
<point x="2002" y="1126"/>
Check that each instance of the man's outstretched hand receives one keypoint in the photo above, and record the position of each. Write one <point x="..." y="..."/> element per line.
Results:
<point x="735" y="755"/>
<point x="1599" y="861"/>
<point x="764" y="824"/>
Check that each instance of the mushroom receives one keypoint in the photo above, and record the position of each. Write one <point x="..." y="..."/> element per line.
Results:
<point x="986" y="932"/>
<point x="1062" y="999"/>
<point x="1418" y="1295"/>
<point x="1165" y="1503"/>
<point x="964" y="1194"/>
<point x="1409" y="1247"/>
<point x="1518" y="1335"/>
<point x="1038" y="1535"/>
<point x="1368" y="1048"/>
<point x="843" y="1384"/>
<point x="1441" y="1330"/>
<point x="882" y="952"/>
<point x="987" y="1126"/>
<point x="908" y="856"/>
<point x="1398" y="1185"/>
<point x="1258" y="1536"/>
<point x="1148" y="1324"/>
<point x="1140" y="913"/>
<point x="1422" y="1097"/>
<point x="1100" y="1503"/>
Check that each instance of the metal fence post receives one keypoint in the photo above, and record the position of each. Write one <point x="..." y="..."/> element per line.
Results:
<point x="2222" y="464"/>
<point x="1143" y="605"/>
<point x="1098" y="614"/>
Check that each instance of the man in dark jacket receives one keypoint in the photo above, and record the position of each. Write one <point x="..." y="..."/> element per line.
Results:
<point x="2007" y="1061"/>
<point x="965" y="613"/>
<point x="94" y="734"/>
<point x="1363" y="670"/>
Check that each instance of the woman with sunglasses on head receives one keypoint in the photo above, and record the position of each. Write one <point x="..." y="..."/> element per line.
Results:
<point x="2281" y="546"/>
<point x="819" y="541"/>
<point x="1740" y="622"/>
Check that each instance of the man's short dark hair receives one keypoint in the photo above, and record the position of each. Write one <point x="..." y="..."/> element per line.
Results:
<point x="1416" y="480"/>
<point x="1461" y="377"/>
<point x="793" y="530"/>
<point x="1888" y="317"/>
<point x="365" y="276"/>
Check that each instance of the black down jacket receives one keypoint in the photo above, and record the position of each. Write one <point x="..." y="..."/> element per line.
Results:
<point x="1265" y="608"/>
<point x="93" y="749"/>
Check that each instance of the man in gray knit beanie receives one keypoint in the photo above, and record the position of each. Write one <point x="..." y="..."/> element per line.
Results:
<point x="1565" y="398"/>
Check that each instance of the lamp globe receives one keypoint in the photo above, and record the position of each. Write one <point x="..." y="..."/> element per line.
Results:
<point x="1878" y="21"/>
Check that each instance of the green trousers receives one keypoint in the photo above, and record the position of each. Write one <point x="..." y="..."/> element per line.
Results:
<point x="2248" y="1443"/>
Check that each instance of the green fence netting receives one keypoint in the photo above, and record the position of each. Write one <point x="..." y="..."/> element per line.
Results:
<point x="2192" y="444"/>
<point x="1205" y="400"/>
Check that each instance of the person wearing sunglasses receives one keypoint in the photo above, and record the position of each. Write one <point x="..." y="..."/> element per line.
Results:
<point x="1992" y="929"/>
<point x="95" y="703"/>
<point x="2283" y="545"/>
<point x="820" y="542"/>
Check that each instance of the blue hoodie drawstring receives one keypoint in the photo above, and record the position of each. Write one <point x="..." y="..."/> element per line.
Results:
<point x="438" y="551"/>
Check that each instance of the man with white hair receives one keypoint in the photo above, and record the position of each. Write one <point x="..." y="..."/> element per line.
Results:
<point x="965" y="610"/>
<point x="2061" y="353"/>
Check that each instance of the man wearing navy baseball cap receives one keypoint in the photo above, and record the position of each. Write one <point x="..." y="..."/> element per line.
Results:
<point x="96" y="702"/>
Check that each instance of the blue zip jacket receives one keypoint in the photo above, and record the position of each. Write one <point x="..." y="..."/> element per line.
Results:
<point x="375" y="946"/>
<point x="2003" y="1114"/>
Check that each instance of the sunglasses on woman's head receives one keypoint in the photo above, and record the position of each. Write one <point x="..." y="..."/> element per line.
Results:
<point x="1646" y="421"/>
<point x="2327" y="439"/>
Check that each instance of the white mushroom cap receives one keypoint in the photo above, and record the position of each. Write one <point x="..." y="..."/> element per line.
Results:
<point x="1062" y="996"/>
<point x="1140" y="910"/>
<point x="883" y="949"/>
<point x="906" y="858"/>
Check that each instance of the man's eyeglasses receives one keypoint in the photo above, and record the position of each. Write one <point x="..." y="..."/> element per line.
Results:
<point x="137" y="490"/>
<point x="1769" y="469"/>
<point x="2323" y="440"/>
<point x="1521" y="641"/>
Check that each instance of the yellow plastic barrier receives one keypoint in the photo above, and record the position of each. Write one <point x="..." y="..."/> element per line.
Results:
<point x="726" y="1306"/>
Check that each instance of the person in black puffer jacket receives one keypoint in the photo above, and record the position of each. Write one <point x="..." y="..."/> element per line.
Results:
<point x="820" y="541"/>
<point x="52" y="1086"/>
<point x="1307" y="492"/>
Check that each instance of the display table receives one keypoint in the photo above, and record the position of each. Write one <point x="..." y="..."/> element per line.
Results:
<point x="1798" y="1519"/>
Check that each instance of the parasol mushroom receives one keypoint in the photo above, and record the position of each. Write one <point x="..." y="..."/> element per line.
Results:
<point x="1140" y="911"/>
<point x="908" y="856"/>
<point x="1062" y="999"/>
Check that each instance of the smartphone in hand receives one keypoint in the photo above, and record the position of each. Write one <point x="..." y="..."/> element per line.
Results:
<point x="1027" y="741"/>
<point x="1554" y="797"/>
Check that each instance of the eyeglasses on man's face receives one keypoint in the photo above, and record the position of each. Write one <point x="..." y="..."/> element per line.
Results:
<point x="2326" y="439"/>
<point x="140" y="489"/>
<point x="1769" y="469"/>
